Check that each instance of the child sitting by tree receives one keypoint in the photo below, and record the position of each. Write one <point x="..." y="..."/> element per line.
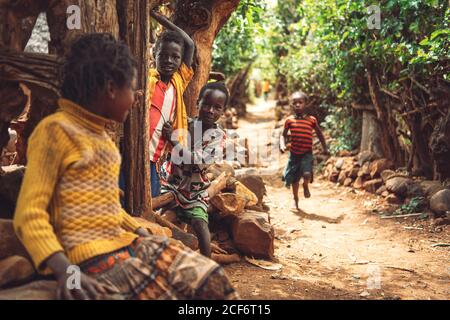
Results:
<point x="173" y="52"/>
<point x="185" y="174"/>
<point x="300" y="163"/>
<point x="68" y="211"/>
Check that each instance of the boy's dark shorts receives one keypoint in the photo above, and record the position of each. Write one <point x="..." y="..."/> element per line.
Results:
<point x="297" y="166"/>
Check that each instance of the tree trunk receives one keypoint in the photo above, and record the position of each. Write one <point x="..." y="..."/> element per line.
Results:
<point x="386" y="121"/>
<point x="17" y="21"/>
<point x="135" y="31"/>
<point x="96" y="16"/>
<point x="202" y="20"/>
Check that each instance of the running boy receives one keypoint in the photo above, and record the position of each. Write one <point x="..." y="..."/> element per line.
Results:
<point x="186" y="173"/>
<point x="173" y="52"/>
<point x="300" y="163"/>
<point x="68" y="212"/>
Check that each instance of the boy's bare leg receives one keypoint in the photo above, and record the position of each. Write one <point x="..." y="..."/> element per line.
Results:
<point x="295" y="187"/>
<point x="201" y="230"/>
<point x="306" y="180"/>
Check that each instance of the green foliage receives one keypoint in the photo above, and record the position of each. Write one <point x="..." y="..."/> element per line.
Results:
<point x="326" y="47"/>
<point x="343" y="128"/>
<point x="235" y="45"/>
<point x="415" y="205"/>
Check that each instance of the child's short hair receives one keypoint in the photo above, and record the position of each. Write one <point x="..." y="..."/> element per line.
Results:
<point x="299" y="95"/>
<point x="168" y="36"/>
<point x="93" y="60"/>
<point x="218" y="85"/>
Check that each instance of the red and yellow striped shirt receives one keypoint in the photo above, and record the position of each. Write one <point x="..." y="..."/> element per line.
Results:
<point x="301" y="133"/>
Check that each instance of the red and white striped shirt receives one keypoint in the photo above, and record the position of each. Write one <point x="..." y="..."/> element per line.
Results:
<point x="162" y="110"/>
<point x="301" y="133"/>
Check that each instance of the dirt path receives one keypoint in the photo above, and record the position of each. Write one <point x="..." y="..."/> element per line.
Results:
<point x="338" y="247"/>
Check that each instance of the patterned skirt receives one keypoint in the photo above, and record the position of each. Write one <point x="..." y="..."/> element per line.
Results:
<point x="158" y="268"/>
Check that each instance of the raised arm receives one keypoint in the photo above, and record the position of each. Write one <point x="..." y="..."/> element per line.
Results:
<point x="189" y="43"/>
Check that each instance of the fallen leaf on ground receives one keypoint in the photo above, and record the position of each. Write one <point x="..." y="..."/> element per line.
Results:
<point x="267" y="265"/>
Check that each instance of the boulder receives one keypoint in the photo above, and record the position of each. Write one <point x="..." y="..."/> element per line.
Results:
<point x="366" y="156"/>
<point x="430" y="187"/>
<point x="10" y="245"/>
<point x="342" y="176"/>
<point x="253" y="235"/>
<point x="348" y="182"/>
<point x="359" y="182"/>
<point x="328" y="169"/>
<point x="380" y="190"/>
<point x="440" y="202"/>
<point x="244" y="192"/>
<point x="255" y="184"/>
<point x="378" y="166"/>
<point x="372" y="185"/>
<point x="414" y="190"/>
<point x="333" y="177"/>
<point x="352" y="172"/>
<point x="37" y="290"/>
<point x="387" y="174"/>
<point x="229" y="203"/>
<point x="339" y="164"/>
<point x="344" y="153"/>
<point x="331" y="160"/>
<point x="399" y="185"/>
<point x="15" y="270"/>
<point x="365" y="170"/>
<point x="393" y="199"/>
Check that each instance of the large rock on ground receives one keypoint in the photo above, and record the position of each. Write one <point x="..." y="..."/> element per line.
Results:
<point x="15" y="269"/>
<point x="430" y="187"/>
<point x="399" y="185"/>
<point x="342" y="176"/>
<point x="366" y="156"/>
<point x="333" y="177"/>
<point x="339" y="163"/>
<point x="37" y="290"/>
<point x="359" y="182"/>
<point x="348" y="182"/>
<point x="380" y="190"/>
<point x="372" y="185"/>
<point x="365" y="170"/>
<point x="229" y="203"/>
<point x="246" y="193"/>
<point x="255" y="184"/>
<point x="393" y="199"/>
<point x="440" y="202"/>
<point x="351" y="170"/>
<point x="253" y="235"/>
<point x="378" y="166"/>
<point x="10" y="245"/>
<point x="387" y="174"/>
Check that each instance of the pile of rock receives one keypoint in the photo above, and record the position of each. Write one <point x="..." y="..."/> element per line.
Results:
<point x="376" y="175"/>
<point x="239" y="219"/>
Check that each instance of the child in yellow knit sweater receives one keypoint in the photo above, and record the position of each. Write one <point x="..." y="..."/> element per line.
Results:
<point x="68" y="211"/>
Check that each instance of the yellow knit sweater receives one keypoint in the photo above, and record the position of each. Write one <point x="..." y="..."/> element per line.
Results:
<point x="69" y="200"/>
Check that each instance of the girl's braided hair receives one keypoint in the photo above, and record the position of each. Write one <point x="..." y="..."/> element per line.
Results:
<point x="94" y="59"/>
